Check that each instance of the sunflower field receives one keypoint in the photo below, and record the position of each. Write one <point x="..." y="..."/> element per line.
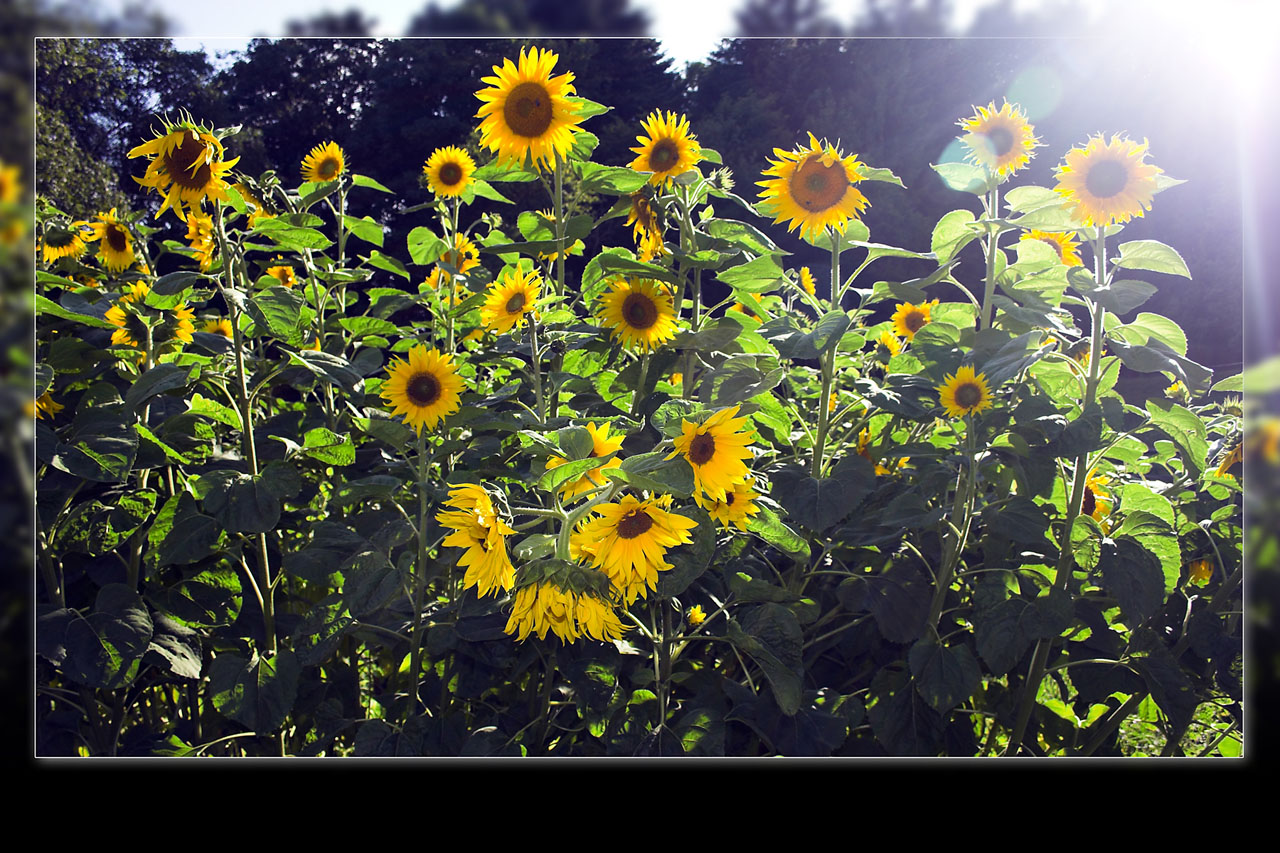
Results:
<point x="298" y="496"/>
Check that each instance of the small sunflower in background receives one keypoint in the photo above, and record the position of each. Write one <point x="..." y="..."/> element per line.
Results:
<point x="695" y="616"/>
<point x="325" y="163"/>
<point x="510" y="300"/>
<point x="639" y="313"/>
<point x="439" y="278"/>
<point x="219" y="326"/>
<point x="812" y="188"/>
<point x="964" y="393"/>
<point x="668" y="150"/>
<point x="1002" y="140"/>
<point x="1097" y="498"/>
<point x="1177" y="391"/>
<point x="602" y="445"/>
<point x="10" y="185"/>
<point x="115" y="243"/>
<point x="258" y="209"/>
<point x="131" y="329"/>
<point x="45" y="405"/>
<point x="186" y="166"/>
<point x="59" y="242"/>
<point x="1107" y="182"/>
<point x="527" y="113"/>
<point x="1082" y="352"/>
<point x="888" y="345"/>
<point x="628" y="541"/>
<point x="807" y="283"/>
<point x="643" y="220"/>
<point x="909" y="319"/>
<point x="737" y="508"/>
<point x="464" y="256"/>
<point x="424" y="389"/>
<point x="1199" y="572"/>
<point x="1233" y="458"/>
<point x="1060" y="242"/>
<point x="574" y="249"/>
<point x="449" y="171"/>
<point x="717" y="451"/>
<point x="284" y="274"/>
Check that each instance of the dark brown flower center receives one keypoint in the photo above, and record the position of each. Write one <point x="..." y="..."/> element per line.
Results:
<point x="702" y="448"/>
<point x="423" y="389"/>
<point x="968" y="395"/>
<point x="516" y="303"/>
<point x="664" y="155"/>
<point x="528" y="110"/>
<point x="450" y="174"/>
<point x="57" y="238"/>
<point x="728" y="498"/>
<point x="1105" y="179"/>
<point x="188" y="163"/>
<point x="328" y="167"/>
<point x="816" y="187"/>
<point x="633" y="524"/>
<point x="639" y="311"/>
<point x="1090" y="502"/>
<point x="914" y="320"/>
<point x="1057" y="247"/>
<point x="1000" y="139"/>
<point x="117" y="238"/>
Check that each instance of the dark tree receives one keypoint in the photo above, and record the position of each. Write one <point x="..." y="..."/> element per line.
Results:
<point x="351" y="23"/>
<point x="532" y="18"/>
<point x="786" y="18"/>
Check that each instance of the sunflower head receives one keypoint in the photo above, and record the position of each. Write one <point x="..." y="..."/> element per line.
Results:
<point x="219" y="326"/>
<point x="602" y="445"/>
<point x="1001" y="140"/>
<point x="1097" y="499"/>
<point x="449" y="171"/>
<point x="628" y="541"/>
<point x="887" y="346"/>
<point x="1199" y="572"/>
<point x="526" y="114"/>
<point x="807" y="283"/>
<point x="115" y="243"/>
<point x="813" y="188"/>
<point x="1107" y="182"/>
<point x="909" y="319"/>
<point x="46" y="405"/>
<point x="284" y="274"/>
<point x="464" y="255"/>
<point x="556" y="605"/>
<point x="1232" y="459"/>
<point x="324" y="163"/>
<point x="186" y="166"/>
<point x="424" y="389"/>
<point x="695" y="616"/>
<point x="479" y="529"/>
<point x="1060" y="242"/>
<point x="667" y="150"/>
<point x="10" y="186"/>
<point x="510" y="299"/>
<point x="60" y="242"/>
<point x="717" y="450"/>
<point x="639" y="313"/>
<point x="177" y="325"/>
<point x="737" y="508"/>
<point x="964" y="393"/>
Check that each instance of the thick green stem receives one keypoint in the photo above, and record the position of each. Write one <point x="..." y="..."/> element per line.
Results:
<point x="535" y="358"/>
<point x="827" y="361"/>
<point x="961" y="511"/>
<point x="558" y="201"/>
<point x="638" y="394"/>
<point x="419" y="582"/>
<point x="451" y="239"/>
<point x="664" y="661"/>
<point x="993" y="211"/>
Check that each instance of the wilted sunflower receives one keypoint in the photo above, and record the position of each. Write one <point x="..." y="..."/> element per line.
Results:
<point x="284" y="274"/>
<point x="628" y="541"/>
<point x="46" y="405"/>
<point x="668" y="150"/>
<point x="807" y="283"/>
<point x="909" y="319"/>
<point x="964" y="393"/>
<point x="1097" y="500"/>
<point x="1001" y="140"/>
<point x="425" y="389"/>
<point x="640" y="313"/>
<point x="813" y="188"/>
<point x="479" y="529"/>
<point x="546" y="606"/>
<point x="220" y="326"/>
<point x="116" y="247"/>
<point x="448" y="171"/>
<point x="601" y="446"/>
<point x="1108" y="182"/>
<point x="1060" y="242"/>
<point x="61" y="242"/>
<point x="131" y="329"/>
<point x="325" y="163"/>
<point x="186" y="167"/>
<point x="527" y="112"/>
<point x="717" y="451"/>
<point x="464" y="255"/>
<point x="737" y="508"/>
<point x="510" y="299"/>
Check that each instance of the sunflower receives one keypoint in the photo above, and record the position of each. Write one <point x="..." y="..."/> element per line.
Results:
<point x="1178" y="391"/>
<point x="47" y="405"/>
<point x="1108" y="182"/>
<point x="696" y="616"/>
<point x="510" y="299"/>
<point x="864" y="450"/>
<point x="999" y="139"/>
<point x="643" y="220"/>
<point x="258" y="209"/>
<point x="575" y="249"/>
<point x="439" y="277"/>
<point x="813" y="188"/>
<point x="200" y="238"/>
<point x="807" y="282"/>
<point x="527" y="113"/>
<point x="448" y="171"/>
<point x="1060" y="242"/>
<point x="116" y="247"/>
<point x="316" y="345"/>
<point x="640" y="313"/>
<point x="464" y="255"/>
<point x="284" y="274"/>
<point x="832" y="401"/>
<point x="738" y="506"/>
<point x="479" y="529"/>
<point x="10" y="187"/>
<point x="909" y="319"/>
<point x="1097" y="500"/>
<point x="668" y="150"/>
<point x="131" y="330"/>
<point x="62" y="243"/>
<point x="1232" y="458"/>
<point x="1080" y="351"/>
<point x="965" y="393"/>
<point x="628" y="541"/>
<point x="424" y="389"/>
<point x="1200" y="571"/>
<point x="325" y="163"/>
<point x="186" y="167"/>
<point x="890" y="343"/>
<point x="220" y="326"/>
<point x="601" y="446"/>
<point x="546" y="606"/>
<point x="716" y="449"/>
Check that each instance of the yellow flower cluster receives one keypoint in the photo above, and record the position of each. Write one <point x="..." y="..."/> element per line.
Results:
<point x="542" y="607"/>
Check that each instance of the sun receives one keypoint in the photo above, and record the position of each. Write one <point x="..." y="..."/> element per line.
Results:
<point x="186" y="167"/>
<point x="510" y="300"/>
<point x="813" y="188"/>
<point x="965" y="393"/>
<point x="668" y="150"/>
<point x="425" y="389"/>
<point x="449" y="171"/>
<point x="325" y="163"/>
<point x="909" y="319"/>
<point x="115" y="246"/>
<point x="526" y="113"/>
<point x="628" y="541"/>
<point x="1108" y="183"/>
<point x="717" y="451"/>
<point x="639" y="313"/>
<point x="1001" y="140"/>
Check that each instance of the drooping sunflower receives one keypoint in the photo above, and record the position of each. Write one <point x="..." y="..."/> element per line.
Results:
<point x="325" y="163"/>
<point x="449" y="171"/>
<point x="1081" y="352"/>
<point x="964" y="393"/>
<point x="601" y="446"/>
<point x="547" y="606"/>
<point x="1109" y="182"/>
<point x="813" y="188"/>
<point x="46" y="405"/>
<point x="890" y="343"/>
<point x="643" y="220"/>
<point x="61" y="242"/>
<point x="258" y="209"/>
<point x="668" y="150"/>
<point x="425" y="389"/>
<point x="807" y="283"/>
<point x="186" y="167"/>
<point x="284" y="274"/>
<point x="1097" y="500"/>
<point x="1234" y="457"/>
<point x="1199" y="572"/>
<point x="640" y="313"/>
<point x="737" y="508"/>
<point x="527" y="113"/>
<point x="1060" y="242"/>
<point x="628" y="541"/>
<point x="464" y="256"/>
<point x="1002" y="140"/>
<point x="131" y="329"/>
<point x="220" y="326"/>
<point x="438" y="278"/>
<point x="479" y="529"/>
<point x="717" y="451"/>
<point x="909" y="319"/>
<point x="200" y="238"/>
<point x="510" y="299"/>
<point x="115" y="243"/>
